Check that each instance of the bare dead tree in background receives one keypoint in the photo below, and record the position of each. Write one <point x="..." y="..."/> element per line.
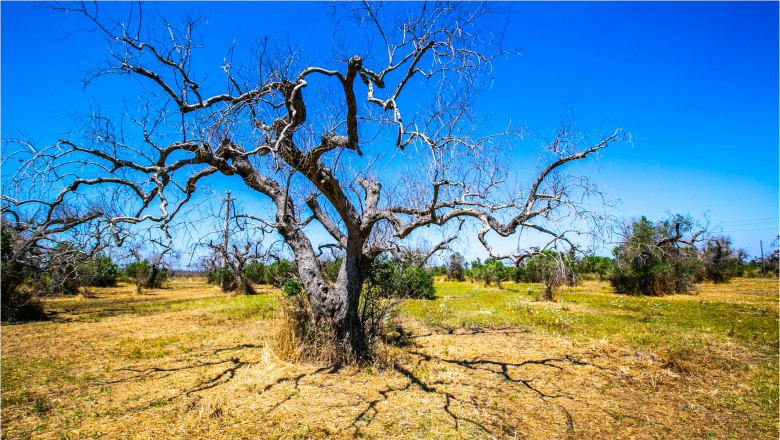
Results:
<point x="50" y="250"/>
<point x="323" y="141"/>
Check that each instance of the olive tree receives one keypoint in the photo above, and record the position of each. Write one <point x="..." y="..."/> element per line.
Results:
<point x="313" y="136"/>
<point x="45" y="255"/>
<point x="657" y="258"/>
<point x="720" y="262"/>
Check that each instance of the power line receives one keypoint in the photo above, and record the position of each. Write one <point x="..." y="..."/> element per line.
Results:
<point x="752" y="223"/>
<point x="762" y="219"/>
<point x="752" y="230"/>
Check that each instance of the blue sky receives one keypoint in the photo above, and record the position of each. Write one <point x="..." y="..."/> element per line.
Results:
<point x="695" y="83"/>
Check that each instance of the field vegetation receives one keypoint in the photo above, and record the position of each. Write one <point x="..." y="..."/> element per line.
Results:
<point x="187" y="361"/>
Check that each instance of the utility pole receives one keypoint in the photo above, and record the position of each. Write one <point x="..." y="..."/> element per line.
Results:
<point x="227" y="201"/>
<point x="763" y="266"/>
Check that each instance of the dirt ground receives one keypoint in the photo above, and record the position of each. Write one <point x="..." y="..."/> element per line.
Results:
<point x="203" y="371"/>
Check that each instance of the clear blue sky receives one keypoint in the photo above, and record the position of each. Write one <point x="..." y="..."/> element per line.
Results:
<point x="695" y="83"/>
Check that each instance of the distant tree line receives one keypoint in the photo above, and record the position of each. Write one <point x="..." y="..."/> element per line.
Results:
<point x="653" y="258"/>
<point x="388" y="276"/>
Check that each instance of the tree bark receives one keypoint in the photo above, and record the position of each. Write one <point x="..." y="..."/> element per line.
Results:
<point x="150" y="281"/>
<point x="344" y="297"/>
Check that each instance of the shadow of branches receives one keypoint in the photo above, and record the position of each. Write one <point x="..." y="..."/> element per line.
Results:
<point x="487" y="392"/>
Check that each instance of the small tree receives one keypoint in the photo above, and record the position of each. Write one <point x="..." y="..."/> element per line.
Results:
<point x="771" y="264"/>
<point x="553" y="269"/>
<point x="234" y="268"/>
<point x="601" y="266"/>
<point x="455" y="269"/>
<point x="657" y="258"/>
<point x="145" y="275"/>
<point x="719" y="264"/>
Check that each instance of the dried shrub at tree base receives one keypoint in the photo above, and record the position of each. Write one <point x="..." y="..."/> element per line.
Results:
<point x="297" y="337"/>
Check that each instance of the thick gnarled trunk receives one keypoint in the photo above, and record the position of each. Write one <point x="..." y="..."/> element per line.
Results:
<point x="344" y="299"/>
<point x="335" y="306"/>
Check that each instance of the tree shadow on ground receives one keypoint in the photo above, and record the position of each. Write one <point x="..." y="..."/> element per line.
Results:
<point x="479" y="393"/>
<point x="467" y="395"/>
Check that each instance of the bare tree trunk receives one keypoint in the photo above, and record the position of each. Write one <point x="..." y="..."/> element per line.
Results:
<point x="227" y="200"/>
<point x="152" y="276"/>
<point x="548" y="293"/>
<point x="345" y="298"/>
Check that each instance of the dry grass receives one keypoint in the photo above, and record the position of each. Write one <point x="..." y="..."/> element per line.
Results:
<point x="189" y="363"/>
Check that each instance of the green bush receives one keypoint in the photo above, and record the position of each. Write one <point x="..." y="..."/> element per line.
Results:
<point x="220" y="277"/>
<point x="17" y="302"/>
<point x="254" y="271"/>
<point x="102" y="272"/>
<point x="719" y="264"/>
<point x="388" y="277"/>
<point x="292" y="287"/>
<point x="330" y="269"/>
<point x="601" y="266"/>
<point x="455" y="269"/>
<point x="643" y="267"/>
<point x="492" y="271"/>
<point x="279" y="272"/>
<point x="145" y="275"/>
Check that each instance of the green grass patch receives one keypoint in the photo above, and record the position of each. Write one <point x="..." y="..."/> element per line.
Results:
<point x="159" y="346"/>
<point x="237" y="307"/>
<point x="683" y="330"/>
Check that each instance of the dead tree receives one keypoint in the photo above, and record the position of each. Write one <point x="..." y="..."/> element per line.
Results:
<point x="234" y="259"/>
<point x="44" y="255"/>
<point x="312" y="136"/>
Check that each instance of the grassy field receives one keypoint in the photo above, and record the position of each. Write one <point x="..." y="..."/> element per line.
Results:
<point x="189" y="362"/>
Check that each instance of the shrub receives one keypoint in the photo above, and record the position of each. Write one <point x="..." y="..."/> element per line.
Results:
<point x="330" y="269"/>
<point x="224" y="278"/>
<point x="101" y="272"/>
<point x="455" y="270"/>
<point x="292" y="287"/>
<point x="17" y="303"/>
<point x="492" y="271"/>
<point x="279" y="272"/>
<point x="438" y="271"/>
<point x="719" y="264"/>
<point x="145" y="275"/>
<point x="601" y="266"/>
<point x="254" y="271"/>
<point x="553" y="269"/>
<point x="21" y="304"/>
<point x="388" y="277"/>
